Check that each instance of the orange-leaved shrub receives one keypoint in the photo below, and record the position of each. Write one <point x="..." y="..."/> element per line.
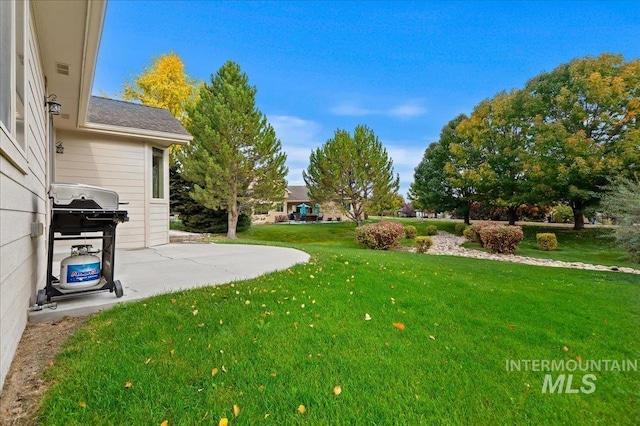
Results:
<point x="500" y="238"/>
<point x="473" y="232"/>
<point x="380" y="236"/>
<point x="547" y="241"/>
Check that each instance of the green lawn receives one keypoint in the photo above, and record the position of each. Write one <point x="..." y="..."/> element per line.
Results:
<point x="288" y="338"/>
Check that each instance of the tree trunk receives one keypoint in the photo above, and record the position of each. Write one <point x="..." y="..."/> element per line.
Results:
<point x="578" y="215"/>
<point x="467" y="213"/>
<point x="512" y="213"/>
<point x="232" y="221"/>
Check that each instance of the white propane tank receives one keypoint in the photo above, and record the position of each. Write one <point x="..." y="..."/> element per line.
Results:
<point x="80" y="270"/>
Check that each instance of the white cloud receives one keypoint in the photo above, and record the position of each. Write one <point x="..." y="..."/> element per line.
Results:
<point x="408" y="109"/>
<point x="351" y="110"/>
<point x="405" y="159"/>
<point x="299" y="137"/>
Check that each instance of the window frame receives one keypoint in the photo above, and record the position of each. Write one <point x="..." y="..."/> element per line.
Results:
<point x="159" y="154"/>
<point x="11" y="147"/>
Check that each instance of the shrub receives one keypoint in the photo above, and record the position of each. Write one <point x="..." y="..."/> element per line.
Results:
<point x="470" y="235"/>
<point x="423" y="244"/>
<point x="432" y="230"/>
<point x="547" y="241"/>
<point x="460" y="227"/>
<point x="474" y="230"/>
<point x="501" y="239"/>
<point x="410" y="231"/>
<point x="379" y="236"/>
<point x="282" y="218"/>
<point x="562" y="214"/>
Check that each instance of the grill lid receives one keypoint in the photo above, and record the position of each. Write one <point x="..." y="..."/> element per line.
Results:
<point x="80" y="196"/>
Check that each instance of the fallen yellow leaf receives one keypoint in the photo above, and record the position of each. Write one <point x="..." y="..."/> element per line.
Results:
<point x="566" y="349"/>
<point x="302" y="409"/>
<point x="236" y="410"/>
<point x="82" y="404"/>
<point x="224" y="369"/>
<point x="337" y="390"/>
<point x="223" y="422"/>
<point x="214" y="371"/>
<point x="398" y="325"/>
<point x="173" y="300"/>
<point x="172" y="352"/>
<point x="432" y="337"/>
<point x="195" y="312"/>
<point x="128" y="385"/>
<point x="165" y="423"/>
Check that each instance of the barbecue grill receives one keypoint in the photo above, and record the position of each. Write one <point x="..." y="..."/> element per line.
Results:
<point x="83" y="212"/>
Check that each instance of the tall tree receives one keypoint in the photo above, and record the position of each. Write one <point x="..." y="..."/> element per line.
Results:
<point x="163" y="84"/>
<point x="499" y="133"/>
<point x="441" y="180"/>
<point x="235" y="160"/>
<point x="354" y="172"/>
<point x="587" y="127"/>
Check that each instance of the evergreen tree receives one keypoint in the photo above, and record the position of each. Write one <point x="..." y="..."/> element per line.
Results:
<point x="235" y="160"/>
<point x="355" y="172"/>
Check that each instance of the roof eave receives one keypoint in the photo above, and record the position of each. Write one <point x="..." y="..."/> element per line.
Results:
<point x="163" y="138"/>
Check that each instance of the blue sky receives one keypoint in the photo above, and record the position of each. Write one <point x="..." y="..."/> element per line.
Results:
<point x="402" y="68"/>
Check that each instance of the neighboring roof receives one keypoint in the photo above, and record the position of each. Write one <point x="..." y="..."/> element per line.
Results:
<point x="298" y="193"/>
<point x="118" y="113"/>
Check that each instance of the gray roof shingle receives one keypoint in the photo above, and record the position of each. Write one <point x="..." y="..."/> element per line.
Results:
<point x="298" y="193"/>
<point x="114" y="112"/>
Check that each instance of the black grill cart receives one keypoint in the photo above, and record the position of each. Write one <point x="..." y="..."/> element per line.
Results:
<point x="80" y="213"/>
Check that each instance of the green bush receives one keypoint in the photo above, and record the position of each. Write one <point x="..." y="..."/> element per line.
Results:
<point x="547" y="241"/>
<point x="431" y="230"/>
<point x="423" y="244"/>
<point x="410" y="231"/>
<point x="562" y="214"/>
<point x="460" y="227"/>
<point x="470" y="235"/>
<point x="501" y="239"/>
<point x="380" y="236"/>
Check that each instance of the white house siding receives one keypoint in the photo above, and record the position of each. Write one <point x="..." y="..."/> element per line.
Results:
<point x="116" y="164"/>
<point x="23" y="259"/>
<point x="158" y="223"/>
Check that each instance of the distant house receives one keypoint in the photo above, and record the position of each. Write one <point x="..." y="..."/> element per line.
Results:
<point x="292" y="208"/>
<point x="51" y="48"/>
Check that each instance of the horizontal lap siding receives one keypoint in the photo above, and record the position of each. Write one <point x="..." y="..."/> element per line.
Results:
<point x="158" y="224"/>
<point x="118" y="165"/>
<point x="23" y="201"/>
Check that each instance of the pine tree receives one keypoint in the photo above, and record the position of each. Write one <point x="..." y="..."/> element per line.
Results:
<point x="235" y="160"/>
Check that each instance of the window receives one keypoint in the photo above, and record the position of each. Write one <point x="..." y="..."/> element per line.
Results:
<point x="6" y="37"/>
<point x="280" y="208"/>
<point x="12" y="81"/>
<point x="19" y="67"/>
<point x="158" y="173"/>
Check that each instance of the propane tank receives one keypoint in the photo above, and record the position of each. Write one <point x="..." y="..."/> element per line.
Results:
<point x="81" y="269"/>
